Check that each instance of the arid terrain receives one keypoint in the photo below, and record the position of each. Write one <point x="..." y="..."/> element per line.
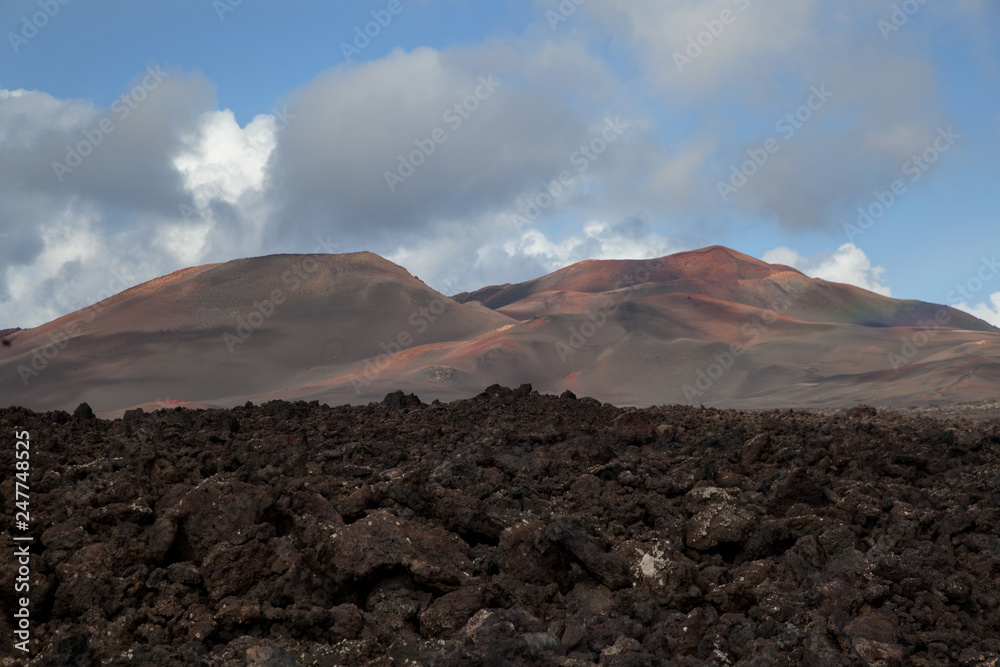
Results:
<point x="510" y="528"/>
<point x="290" y="460"/>
<point x="530" y="333"/>
<point x="708" y="327"/>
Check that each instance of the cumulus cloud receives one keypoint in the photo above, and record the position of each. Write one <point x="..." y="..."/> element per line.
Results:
<point x="452" y="161"/>
<point x="224" y="169"/>
<point x="740" y="39"/>
<point x="505" y="253"/>
<point x="631" y="239"/>
<point x="223" y="160"/>
<point x="441" y="150"/>
<point x="525" y="137"/>
<point x="849" y="264"/>
<point x="147" y="193"/>
<point x="395" y="146"/>
<point x="881" y="111"/>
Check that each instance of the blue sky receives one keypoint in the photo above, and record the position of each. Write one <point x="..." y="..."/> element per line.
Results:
<point x="254" y="135"/>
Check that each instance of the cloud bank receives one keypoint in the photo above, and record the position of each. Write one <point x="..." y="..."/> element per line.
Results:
<point x="606" y="134"/>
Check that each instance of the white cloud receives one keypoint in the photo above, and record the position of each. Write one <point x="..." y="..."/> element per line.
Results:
<point x="505" y="253"/>
<point x="123" y="207"/>
<point x="355" y="126"/>
<point x="723" y="51"/>
<point x="25" y="114"/>
<point x="180" y="183"/>
<point x="848" y="264"/>
<point x="224" y="159"/>
<point x="71" y="271"/>
<point x="597" y="240"/>
<point x="748" y="74"/>
<point x="224" y="169"/>
<point x="264" y="188"/>
<point x="988" y="312"/>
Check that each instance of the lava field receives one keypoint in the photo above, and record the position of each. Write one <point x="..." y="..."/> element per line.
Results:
<point x="511" y="528"/>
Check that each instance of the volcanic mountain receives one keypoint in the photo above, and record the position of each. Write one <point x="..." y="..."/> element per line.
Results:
<point x="720" y="274"/>
<point x="710" y="326"/>
<point x="223" y="333"/>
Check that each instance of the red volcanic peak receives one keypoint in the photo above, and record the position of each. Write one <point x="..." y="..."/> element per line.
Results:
<point x="710" y="326"/>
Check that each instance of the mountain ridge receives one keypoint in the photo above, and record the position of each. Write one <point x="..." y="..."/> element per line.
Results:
<point x="744" y="279"/>
<point x="713" y="326"/>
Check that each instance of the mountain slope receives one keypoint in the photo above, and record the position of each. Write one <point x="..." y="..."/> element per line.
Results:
<point x="712" y="327"/>
<point x="239" y="328"/>
<point x="723" y="274"/>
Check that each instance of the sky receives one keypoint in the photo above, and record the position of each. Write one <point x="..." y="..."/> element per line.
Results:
<point x="479" y="143"/>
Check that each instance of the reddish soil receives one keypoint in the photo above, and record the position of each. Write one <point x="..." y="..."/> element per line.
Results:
<point x="706" y="327"/>
<point x="507" y="529"/>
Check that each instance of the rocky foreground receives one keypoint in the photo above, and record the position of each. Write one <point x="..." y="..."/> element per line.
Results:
<point x="507" y="529"/>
